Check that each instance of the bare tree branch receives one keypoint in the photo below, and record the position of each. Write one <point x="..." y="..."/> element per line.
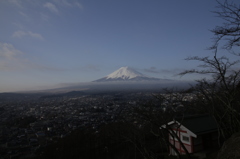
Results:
<point x="230" y="29"/>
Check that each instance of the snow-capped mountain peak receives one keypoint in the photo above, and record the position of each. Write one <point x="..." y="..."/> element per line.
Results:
<point x="124" y="73"/>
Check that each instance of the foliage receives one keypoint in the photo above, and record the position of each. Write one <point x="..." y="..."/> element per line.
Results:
<point x="220" y="94"/>
<point x="111" y="141"/>
<point x="155" y="114"/>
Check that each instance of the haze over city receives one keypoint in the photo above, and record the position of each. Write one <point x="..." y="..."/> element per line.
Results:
<point x="119" y="79"/>
<point x="47" y="43"/>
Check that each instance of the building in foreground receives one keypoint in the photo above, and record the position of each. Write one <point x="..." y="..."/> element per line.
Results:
<point x="197" y="133"/>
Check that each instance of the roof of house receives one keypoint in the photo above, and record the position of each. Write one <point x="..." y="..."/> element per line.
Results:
<point x="196" y="125"/>
<point x="200" y="124"/>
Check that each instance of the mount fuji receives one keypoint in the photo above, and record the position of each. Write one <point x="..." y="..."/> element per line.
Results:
<point x="123" y="79"/>
<point x="126" y="74"/>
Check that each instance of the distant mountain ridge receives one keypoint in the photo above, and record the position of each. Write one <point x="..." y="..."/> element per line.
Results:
<point x="126" y="74"/>
<point x="123" y="79"/>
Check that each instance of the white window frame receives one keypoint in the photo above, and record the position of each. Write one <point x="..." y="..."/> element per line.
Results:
<point x="187" y="136"/>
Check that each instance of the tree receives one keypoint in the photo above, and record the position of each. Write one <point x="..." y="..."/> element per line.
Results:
<point x="220" y="93"/>
<point x="230" y="30"/>
<point x="155" y="115"/>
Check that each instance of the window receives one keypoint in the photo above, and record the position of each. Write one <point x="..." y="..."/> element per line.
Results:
<point x="185" y="138"/>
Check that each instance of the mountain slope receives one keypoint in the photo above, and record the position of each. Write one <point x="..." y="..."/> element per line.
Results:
<point x="126" y="74"/>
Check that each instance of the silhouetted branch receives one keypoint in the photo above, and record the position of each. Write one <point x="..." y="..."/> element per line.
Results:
<point x="230" y="30"/>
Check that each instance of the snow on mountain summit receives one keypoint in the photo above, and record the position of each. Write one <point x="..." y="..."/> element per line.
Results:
<point x="124" y="73"/>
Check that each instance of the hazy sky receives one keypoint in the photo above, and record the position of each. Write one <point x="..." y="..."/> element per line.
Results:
<point x="49" y="42"/>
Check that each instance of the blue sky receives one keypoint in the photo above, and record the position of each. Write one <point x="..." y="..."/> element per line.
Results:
<point x="49" y="42"/>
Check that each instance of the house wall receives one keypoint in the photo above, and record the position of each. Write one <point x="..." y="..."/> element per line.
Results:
<point x="182" y="135"/>
<point x="197" y="144"/>
<point x="210" y="140"/>
<point x="205" y="142"/>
